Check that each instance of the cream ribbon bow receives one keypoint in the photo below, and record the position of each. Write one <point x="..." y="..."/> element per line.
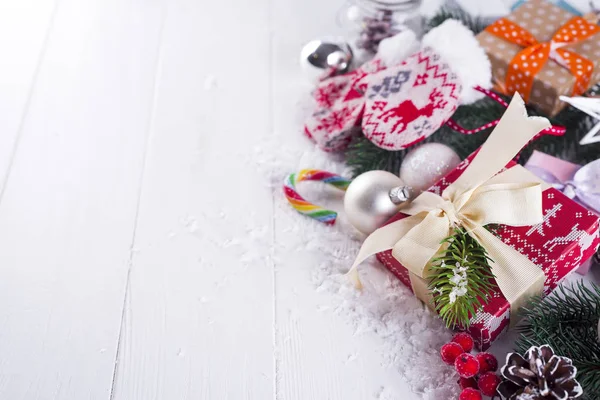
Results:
<point x="480" y="196"/>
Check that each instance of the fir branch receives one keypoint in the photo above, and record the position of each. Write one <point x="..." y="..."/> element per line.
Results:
<point x="567" y="147"/>
<point x="461" y="279"/>
<point x="475" y="24"/>
<point x="578" y="123"/>
<point x="362" y="155"/>
<point x="568" y="322"/>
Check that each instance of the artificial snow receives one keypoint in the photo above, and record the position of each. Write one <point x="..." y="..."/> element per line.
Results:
<point x="459" y="282"/>
<point x="411" y="334"/>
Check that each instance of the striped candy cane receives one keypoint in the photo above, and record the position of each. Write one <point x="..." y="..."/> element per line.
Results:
<point x="303" y="206"/>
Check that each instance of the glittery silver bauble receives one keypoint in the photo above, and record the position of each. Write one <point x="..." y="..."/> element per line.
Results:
<point x="372" y="198"/>
<point x="426" y="164"/>
<point x="318" y="56"/>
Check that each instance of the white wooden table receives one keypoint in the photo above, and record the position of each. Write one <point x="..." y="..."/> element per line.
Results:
<point x="144" y="248"/>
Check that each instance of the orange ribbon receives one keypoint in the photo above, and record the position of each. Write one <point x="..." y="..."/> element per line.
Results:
<point x="529" y="61"/>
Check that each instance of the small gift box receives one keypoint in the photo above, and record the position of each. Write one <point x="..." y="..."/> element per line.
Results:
<point x="539" y="235"/>
<point x="543" y="51"/>
<point x="581" y="183"/>
<point x="561" y="3"/>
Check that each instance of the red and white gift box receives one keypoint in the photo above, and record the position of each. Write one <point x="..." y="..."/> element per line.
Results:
<point x="568" y="236"/>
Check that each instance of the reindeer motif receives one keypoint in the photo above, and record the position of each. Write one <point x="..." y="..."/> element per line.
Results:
<point x="406" y="112"/>
<point x="583" y="238"/>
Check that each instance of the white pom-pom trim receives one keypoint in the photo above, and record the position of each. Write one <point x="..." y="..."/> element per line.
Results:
<point x="457" y="45"/>
<point x="392" y="51"/>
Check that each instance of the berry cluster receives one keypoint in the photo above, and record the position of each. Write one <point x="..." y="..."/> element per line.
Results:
<point x="477" y="372"/>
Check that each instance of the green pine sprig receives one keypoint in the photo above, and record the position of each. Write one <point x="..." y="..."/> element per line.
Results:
<point x="568" y="322"/>
<point x="363" y="156"/>
<point x="464" y="269"/>
<point x="476" y="24"/>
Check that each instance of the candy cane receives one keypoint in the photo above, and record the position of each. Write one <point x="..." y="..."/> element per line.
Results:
<point x="303" y="206"/>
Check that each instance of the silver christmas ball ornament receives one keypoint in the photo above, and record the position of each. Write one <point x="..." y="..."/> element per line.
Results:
<point x="318" y="56"/>
<point x="427" y="164"/>
<point x="373" y="197"/>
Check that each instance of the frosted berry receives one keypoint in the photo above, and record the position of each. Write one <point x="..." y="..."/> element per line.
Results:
<point x="487" y="362"/>
<point x="470" y="394"/>
<point x="467" y="383"/>
<point x="488" y="383"/>
<point x="466" y="365"/>
<point x="465" y="340"/>
<point x="450" y="351"/>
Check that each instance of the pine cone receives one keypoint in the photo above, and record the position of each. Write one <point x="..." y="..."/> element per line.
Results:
<point x="540" y="375"/>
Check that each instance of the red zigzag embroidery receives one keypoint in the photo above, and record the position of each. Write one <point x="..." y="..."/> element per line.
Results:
<point x="379" y="137"/>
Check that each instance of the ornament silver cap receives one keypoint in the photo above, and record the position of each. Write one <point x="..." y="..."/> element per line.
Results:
<point x="319" y="57"/>
<point x="401" y="194"/>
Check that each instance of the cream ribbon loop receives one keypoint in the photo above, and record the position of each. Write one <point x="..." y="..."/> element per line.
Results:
<point x="480" y="196"/>
<point x="447" y="207"/>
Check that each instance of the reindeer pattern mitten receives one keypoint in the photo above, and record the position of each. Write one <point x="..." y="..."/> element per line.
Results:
<point x="404" y="95"/>
<point x="339" y="100"/>
<point x="339" y="108"/>
<point x="409" y="102"/>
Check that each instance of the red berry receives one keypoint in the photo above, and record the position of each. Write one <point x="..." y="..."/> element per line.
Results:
<point x="488" y="383"/>
<point x="467" y="383"/>
<point x="466" y="365"/>
<point x="487" y="362"/>
<point x="470" y="394"/>
<point x="450" y="351"/>
<point x="465" y="340"/>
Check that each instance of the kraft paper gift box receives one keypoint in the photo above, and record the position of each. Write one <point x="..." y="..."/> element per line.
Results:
<point x="543" y="20"/>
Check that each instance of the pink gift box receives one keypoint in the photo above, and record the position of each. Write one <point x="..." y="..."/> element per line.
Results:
<point x="562" y="169"/>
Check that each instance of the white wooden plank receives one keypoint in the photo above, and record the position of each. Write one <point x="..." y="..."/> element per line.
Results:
<point x="24" y="28"/>
<point x="68" y="210"/>
<point x="198" y="317"/>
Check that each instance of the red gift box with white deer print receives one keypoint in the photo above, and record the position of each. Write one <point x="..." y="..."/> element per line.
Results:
<point x="566" y="238"/>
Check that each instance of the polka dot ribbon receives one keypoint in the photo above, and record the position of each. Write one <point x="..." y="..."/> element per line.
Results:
<point x="529" y="61"/>
<point x="303" y="206"/>
<point x="553" y="130"/>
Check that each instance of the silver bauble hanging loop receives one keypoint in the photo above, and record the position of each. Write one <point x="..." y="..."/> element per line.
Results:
<point x="373" y="198"/>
